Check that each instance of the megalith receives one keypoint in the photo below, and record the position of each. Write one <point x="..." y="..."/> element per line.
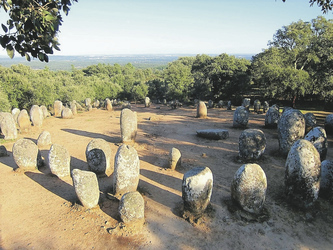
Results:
<point x="108" y="105"/>
<point x="310" y="121"/>
<point x="175" y="158"/>
<point x="87" y="102"/>
<point x="67" y="113"/>
<point x="246" y="103"/>
<point x="201" y="110"/>
<point x="126" y="170"/>
<point x="241" y="117"/>
<point x="272" y="117"/>
<point x="98" y="155"/>
<point x="59" y="160"/>
<point x="329" y="124"/>
<point x="213" y="134"/>
<point x="317" y="136"/>
<point x="45" y="112"/>
<point x="302" y="175"/>
<point x="36" y="116"/>
<point x="8" y="126"/>
<point x="23" y="121"/>
<point x="252" y="144"/>
<point x="256" y="106"/>
<point x="44" y="139"/>
<point x="229" y="107"/>
<point x="128" y="125"/>
<point x="57" y="107"/>
<point x="147" y="102"/>
<point x="326" y="179"/>
<point x="15" y="113"/>
<point x="26" y="154"/>
<point x="132" y="208"/>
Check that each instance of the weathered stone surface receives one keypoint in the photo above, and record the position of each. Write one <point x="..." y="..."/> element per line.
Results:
<point x="246" y="103"/>
<point x="272" y="117"/>
<point x="89" y="108"/>
<point x="44" y="139"/>
<point x="256" y="106"/>
<point x="126" y="170"/>
<point x="329" y="124"/>
<point x="201" y="110"/>
<point x="220" y="104"/>
<point x="57" y="107"/>
<point x="23" y="121"/>
<point x="73" y="107"/>
<point x="326" y="179"/>
<point x="96" y="104"/>
<point x="213" y="134"/>
<point x="45" y="112"/>
<point x="15" y="113"/>
<point x="265" y="106"/>
<point x="86" y="187"/>
<point x="241" y="117"/>
<point x="36" y="116"/>
<point x="229" y="105"/>
<point x="128" y="125"/>
<point x="59" y="160"/>
<point x="147" y="102"/>
<point x="248" y="188"/>
<point x="98" y="155"/>
<point x="252" y="144"/>
<point x="67" y="113"/>
<point x="175" y="158"/>
<point x="317" y="136"/>
<point x="302" y="176"/>
<point x="3" y="151"/>
<point x="197" y="188"/>
<point x="8" y="126"/>
<point x="210" y="104"/>
<point x="108" y="105"/>
<point x="87" y="102"/>
<point x="291" y="127"/>
<point x="310" y="121"/>
<point x="132" y="208"/>
<point x="26" y="154"/>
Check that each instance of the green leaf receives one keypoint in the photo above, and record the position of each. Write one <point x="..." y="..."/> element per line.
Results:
<point x="27" y="57"/>
<point x="10" y="51"/>
<point x="46" y="58"/>
<point x="4" y="28"/>
<point x="41" y="56"/>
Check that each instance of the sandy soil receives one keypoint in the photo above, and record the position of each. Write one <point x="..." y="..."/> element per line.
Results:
<point x="41" y="211"/>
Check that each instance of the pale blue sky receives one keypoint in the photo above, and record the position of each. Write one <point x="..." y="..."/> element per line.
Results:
<point x="108" y="27"/>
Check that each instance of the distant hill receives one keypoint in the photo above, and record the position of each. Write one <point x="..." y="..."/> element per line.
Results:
<point x="79" y="62"/>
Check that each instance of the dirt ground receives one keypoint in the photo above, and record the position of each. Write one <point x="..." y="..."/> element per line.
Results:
<point x="41" y="211"/>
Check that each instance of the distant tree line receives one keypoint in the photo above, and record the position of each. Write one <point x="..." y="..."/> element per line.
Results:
<point x="297" y="64"/>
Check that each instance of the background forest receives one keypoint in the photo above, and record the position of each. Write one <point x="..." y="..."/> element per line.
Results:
<point x="298" y="65"/>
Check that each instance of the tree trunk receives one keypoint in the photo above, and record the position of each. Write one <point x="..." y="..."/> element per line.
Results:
<point x="294" y="101"/>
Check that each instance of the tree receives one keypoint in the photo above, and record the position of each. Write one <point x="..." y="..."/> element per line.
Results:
<point x="32" y="27"/>
<point x="326" y="5"/>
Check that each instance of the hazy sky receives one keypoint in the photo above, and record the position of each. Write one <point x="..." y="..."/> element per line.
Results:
<point x="176" y="27"/>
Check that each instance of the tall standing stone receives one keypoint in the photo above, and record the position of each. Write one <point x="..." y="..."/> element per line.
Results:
<point x="326" y="179"/>
<point x="201" y="110"/>
<point x="86" y="187"/>
<point x="108" y="104"/>
<point x="272" y="117"/>
<point x="197" y="189"/>
<point x="132" y="208"/>
<point x="175" y="158"/>
<point x="256" y="106"/>
<point x="45" y="112"/>
<point x="57" y="106"/>
<point x="210" y="104"/>
<point x="128" y="125"/>
<point x="329" y="124"/>
<point x="310" y="121"/>
<point x="147" y="102"/>
<point x="23" y="121"/>
<point x="126" y="170"/>
<point x="59" y="160"/>
<point x="87" y="102"/>
<point x="8" y="126"/>
<point x="248" y="188"/>
<point x="44" y="139"/>
<point x="15" y="113"/>
<point x="317" y="136"/>
<point x="246" y="103"/>
<point x="26" y="154"/>
<point x="291" y="127"/>
<point x="252" y="144"/>
<point x="98" y="155"/>
<point x="241" y="117"/>
<point x="302" y="176"/>
<point x="36" y="116"/>
<point x="265" y="106"/>
<point x="73" y="107"/>
<point x="229" y="105"/>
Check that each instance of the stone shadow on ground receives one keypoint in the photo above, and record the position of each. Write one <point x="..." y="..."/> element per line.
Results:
<point x="54" y="185"/>
<point x="93" y="135"/>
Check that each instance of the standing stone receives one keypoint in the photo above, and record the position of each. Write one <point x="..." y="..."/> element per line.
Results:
<point x="302" y="176"/>
<point x="201" y="110"/>
<point x="220" y="104"/>
<point x="89" y="108"/>
<point x="132" y="208"/>
<point x="126" y="170"/>
<point x="23" y="121"/>
<point x="44" y="139"/>
<point x="256" y="106"/>
<point x="86" y="187"/>
<point x="210" y="104"/>
<point x="3" y="151"/>
<point x="15" y="113"/>
<point x="248" y="188"/>
<point x="272" y="117"/>
<point x="8" y="126"/>
<point x="229" y="105"/>
<point x="73" y="107"/>
<point x="291" y="127"/>
<point x="57" y="106"/>
<point x="197" y="189"/>
<point x="87" y="102"/>
<point x="265" y="106"/>
<point x="108" y="104"/>
<point x="36" y="116"/>
<point x="246" y="103"/>
<point x="98" y="155"/>
<point x="241" y="117"/>
<point x="67" y="113"/>
<point x="175" y="158"/>
<point x="326" y="179"/>
<point x="147" y="102"/>
<point x="310" y="121"/>
<point x="128" y="125"/>
<point x="45" y="112"/>
<point x="329" y="124"/>
<point x="317" y="136"/>
<point x="96" y="104"/>
<point x="26" y="154"/>
<point x="59" y="160"/>
<point x="252" y="144"/>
